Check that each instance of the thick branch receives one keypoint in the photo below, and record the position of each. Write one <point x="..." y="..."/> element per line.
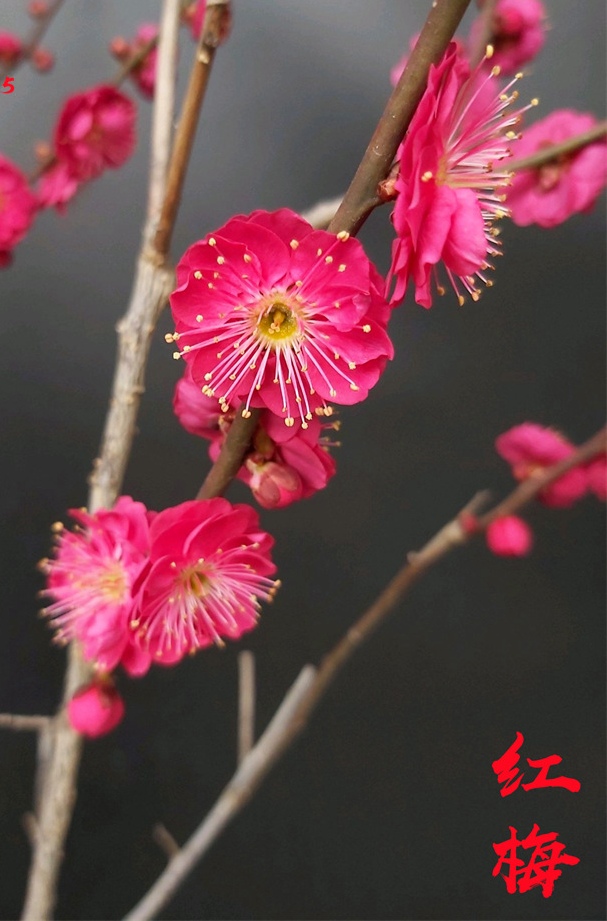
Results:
<point x="311" y="685"/>
<point x="150" y="291"/>
<point x="361" y="198"/>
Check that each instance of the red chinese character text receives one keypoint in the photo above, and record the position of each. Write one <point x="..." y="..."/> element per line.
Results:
<point x="510" y="776"/>
<point x="541" y="870"/>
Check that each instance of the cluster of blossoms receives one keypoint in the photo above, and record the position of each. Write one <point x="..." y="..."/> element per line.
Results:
<point x="134" y="587"/>
<point x="530" y="449"/>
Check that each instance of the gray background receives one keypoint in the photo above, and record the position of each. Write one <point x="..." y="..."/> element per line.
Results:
<point x="387" y="807"/>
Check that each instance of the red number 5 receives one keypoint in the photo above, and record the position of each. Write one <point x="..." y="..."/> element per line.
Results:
<point x="9" y="84"/>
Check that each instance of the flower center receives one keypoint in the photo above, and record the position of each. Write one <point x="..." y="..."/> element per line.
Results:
<point x="277" y="323"/>
<point x="194" y="580"/>
<point x="111" y="583"/>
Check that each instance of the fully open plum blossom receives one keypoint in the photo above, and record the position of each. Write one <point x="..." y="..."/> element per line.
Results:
<point x="572" y="182"/>
<point x="209" y="567"/>
<point x="284" y="464"/>
<point x="11" y="49"/>
<point x="449" y="177"/>
<point x="529" y="449"/>
<point x="96" y="709"/>
<point x="517" y="34"/>
<point x="272" y="313"/>
<point x="91" y="577"/>
<point x="18" y="206"/>
<point x="509" y="536"/>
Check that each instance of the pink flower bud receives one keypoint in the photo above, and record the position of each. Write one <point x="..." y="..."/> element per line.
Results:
<point x="42" y="60"/>
<point x="37" y="9"/>
<point x="509" y="536"/>
<point x="119" y="48"/>
<point x="96" y="709"/>
<point x="275" y="485"/>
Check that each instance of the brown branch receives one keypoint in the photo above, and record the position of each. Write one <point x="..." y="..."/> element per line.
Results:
<point x="37" y="34"/>
<point x="215" y="29"/>
<point x="554" y="151"/>
<point x="229" y="461"/>
<point x="153" y="280"/>
<point x="133" y="62"/>
<point x="18" y="722"/>
<point x="246" y="703"/>
<point x="301" y="700"/>
<point x="361" y="198"/>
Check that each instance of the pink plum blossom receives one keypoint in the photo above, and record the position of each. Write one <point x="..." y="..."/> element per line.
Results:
<point x="96" y="709"/>
<point x="284" y="464"/>
<point x="449" y="175"/>
<point x="570" y="183"/>
<point x="529" y="449"/>
<point x="509" y="536"/>
<point x="57" y="186"/>
<point x="91" y="577"/>
<point x="209" y="567"/>
<point x="11" y="49"/>
<point x="518" y="32"/>
<point x="272" y="313"/>
<point x="18" y="205"/>
<point x="95" y="131"/>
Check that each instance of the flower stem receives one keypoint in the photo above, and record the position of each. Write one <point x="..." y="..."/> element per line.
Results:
<point x="554" y="151"/>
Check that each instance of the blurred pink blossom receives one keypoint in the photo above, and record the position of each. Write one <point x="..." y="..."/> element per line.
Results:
<point x="572" y="182"/>
<point x="18" y="206"/>
<point x="95" y="709"/>
<point x="529" y="449"/>
<point x="11" y="49"/>
<point x="518" y="32"/>
<point x="91" y="577"/>
<point x="509" y="536"/>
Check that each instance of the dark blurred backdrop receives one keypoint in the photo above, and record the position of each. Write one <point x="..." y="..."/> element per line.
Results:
<point x="387" y="807"/>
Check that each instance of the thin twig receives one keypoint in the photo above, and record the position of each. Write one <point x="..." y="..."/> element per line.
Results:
<point x="151" y="287"/>
<point x="303" y="700"/>
<point x="215" y="29"/>
<point x="37" y="34"/>
<point x="229" y="461"/>
<point x="165" y="840"/>
<point x="322" y="213"/>
<point x="19" y="722"/>
<point x="554" y="151"/>
<point x="231" y="800"/>
<point x="246" y="703"/>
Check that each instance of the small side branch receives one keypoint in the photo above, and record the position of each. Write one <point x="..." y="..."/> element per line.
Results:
<point x="19" y="723"/>
<point x="246" y="704"/>
<point x="554" y="151"/>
